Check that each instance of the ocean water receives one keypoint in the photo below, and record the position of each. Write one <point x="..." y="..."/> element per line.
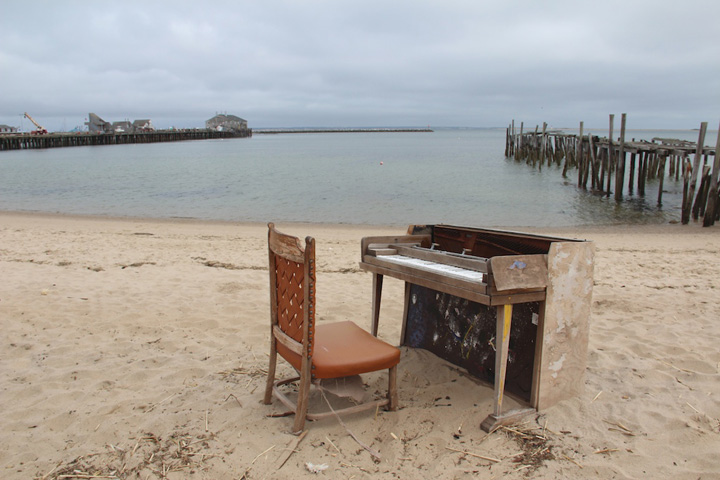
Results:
<point x="458" y="176"/>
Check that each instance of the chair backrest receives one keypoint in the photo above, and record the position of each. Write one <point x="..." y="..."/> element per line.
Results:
<point x="292" y="291"/>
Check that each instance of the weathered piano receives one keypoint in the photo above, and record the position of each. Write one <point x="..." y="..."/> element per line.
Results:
<point x="511" y="308"/>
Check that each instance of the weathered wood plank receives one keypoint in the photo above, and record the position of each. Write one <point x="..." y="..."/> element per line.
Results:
<point x="519" y="271"/>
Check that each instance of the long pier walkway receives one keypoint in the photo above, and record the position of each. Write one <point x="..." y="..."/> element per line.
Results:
<point x="602" y="163"/>
<point x="268" y="131"/>
<point x="55" y="140"/>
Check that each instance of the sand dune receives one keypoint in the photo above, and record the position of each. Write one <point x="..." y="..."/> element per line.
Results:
<point x="138" y="349"/>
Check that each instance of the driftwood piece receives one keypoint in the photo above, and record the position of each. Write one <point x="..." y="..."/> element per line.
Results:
<point x="290" y="450"/>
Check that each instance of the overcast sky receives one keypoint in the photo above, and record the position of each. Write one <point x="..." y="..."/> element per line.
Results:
<point x="362" y="63"/>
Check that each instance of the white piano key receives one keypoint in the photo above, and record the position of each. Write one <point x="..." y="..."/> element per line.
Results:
<point x="449" y="270"/>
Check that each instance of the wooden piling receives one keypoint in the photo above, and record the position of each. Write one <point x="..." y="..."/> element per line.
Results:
<point x="688" y="196"/>
<point x="587" y="158"/>
<point x="662" y="181"/>
<point x="520" y="140"/>
<point x="508" y="141"/>
<point x="543" y="146"/>
<point x="642" y="175"/>
<point x="603" y="168"/>
<point x="610" y="151"/>
<point x="582" y="165"/>
<point x="620" y="171"/>
<point x="698" y="208"/>
<point x="712" y="202"/>
<point x="631" y="180"/>
<point x="512" y="133"/>
<point x="595" y="162"/>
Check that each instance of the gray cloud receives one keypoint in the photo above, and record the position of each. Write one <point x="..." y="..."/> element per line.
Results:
<point x="329" y="63"/>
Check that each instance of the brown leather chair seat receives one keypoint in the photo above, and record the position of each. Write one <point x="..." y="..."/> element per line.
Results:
<point x="342" y="349"/>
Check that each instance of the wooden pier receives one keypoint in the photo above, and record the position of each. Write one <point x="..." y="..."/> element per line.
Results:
<point x="56" y="140"/>
<point x="272" y="131"/>
<point x="602" y="164"/>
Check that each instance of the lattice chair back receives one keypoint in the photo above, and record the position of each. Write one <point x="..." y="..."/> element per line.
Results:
<point x="292" y="290"/>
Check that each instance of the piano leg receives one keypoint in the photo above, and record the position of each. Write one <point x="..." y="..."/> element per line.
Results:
<point x="406" y="309"/>
<point x="502" y="342"/>
<point x="377" y="295"/>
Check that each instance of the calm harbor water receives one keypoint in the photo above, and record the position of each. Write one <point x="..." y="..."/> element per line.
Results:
<point x="449" y="176"/>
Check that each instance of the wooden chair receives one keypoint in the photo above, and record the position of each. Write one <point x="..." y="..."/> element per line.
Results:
<point x="315" y="351"/>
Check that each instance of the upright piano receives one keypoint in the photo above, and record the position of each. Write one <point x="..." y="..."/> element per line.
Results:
<point x="511" y="308"/>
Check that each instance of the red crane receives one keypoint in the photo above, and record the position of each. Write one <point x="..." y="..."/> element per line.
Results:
<point x="40" y="130"/>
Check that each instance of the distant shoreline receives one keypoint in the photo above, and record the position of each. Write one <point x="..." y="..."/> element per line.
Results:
<point x="273" y="131"/>
<point x="85" y="221"/>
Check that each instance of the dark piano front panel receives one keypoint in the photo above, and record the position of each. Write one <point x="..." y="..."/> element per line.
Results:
<point x="463" y="333"/>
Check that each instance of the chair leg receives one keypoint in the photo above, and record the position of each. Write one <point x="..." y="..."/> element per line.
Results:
<point x="392" y="389"/>
<point x="302" y="404"/>
<point x="271" y="372"/>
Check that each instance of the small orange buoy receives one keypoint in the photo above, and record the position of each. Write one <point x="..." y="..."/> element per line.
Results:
<point x="381" y="163"/>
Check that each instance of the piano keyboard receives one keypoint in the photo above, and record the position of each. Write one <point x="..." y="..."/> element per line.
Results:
<point x="448" y="270"/>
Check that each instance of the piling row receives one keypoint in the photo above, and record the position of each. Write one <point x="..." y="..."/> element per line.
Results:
<point x="56" y="140"/>
<point x="602" y="164"/>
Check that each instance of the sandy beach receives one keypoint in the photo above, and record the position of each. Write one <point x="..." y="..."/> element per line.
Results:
<point x="137" y="348"/>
